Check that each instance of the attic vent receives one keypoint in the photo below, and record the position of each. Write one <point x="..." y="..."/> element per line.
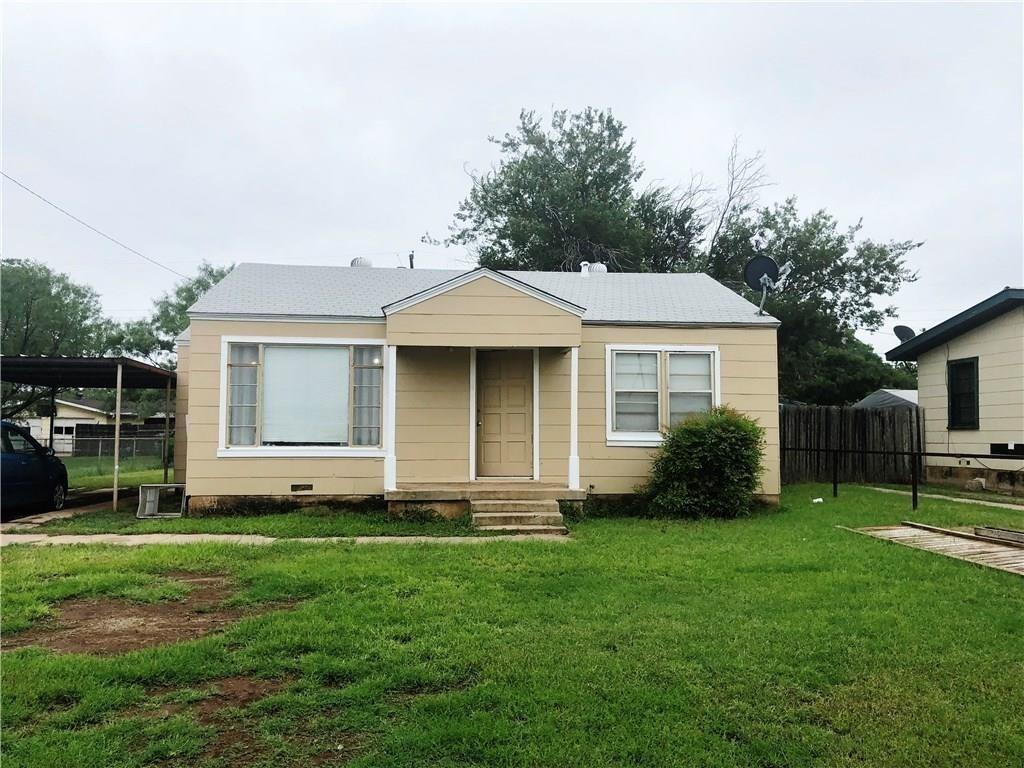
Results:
<point x="586" y="268"/>
<point x="597" y="266"/>
<point x="360" y="261"/>
<point x="298" y="487"/>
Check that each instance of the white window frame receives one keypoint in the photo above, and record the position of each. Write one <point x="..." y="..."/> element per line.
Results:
<point x="298" y="451"/>
<point x="614" y="437"/>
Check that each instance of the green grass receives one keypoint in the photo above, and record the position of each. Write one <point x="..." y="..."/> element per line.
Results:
<point x="960" y="493"/>
<point x="91" y="472"/>
<point x="312" y="521"/>
<point x="778" y="640"/>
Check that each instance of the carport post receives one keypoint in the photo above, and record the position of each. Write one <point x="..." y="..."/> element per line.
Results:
<point x="167" y="425"/>
<point x="53" y="412"/>
<point x="117" y="433"/>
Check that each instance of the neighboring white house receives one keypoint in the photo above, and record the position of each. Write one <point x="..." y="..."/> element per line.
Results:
<point x="74" y="412"/>
<point x="970" y="372"/>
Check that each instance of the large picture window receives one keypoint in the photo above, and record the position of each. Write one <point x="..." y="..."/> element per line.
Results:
<point x="962" y="387"/>
<point x="309" y="395"/>
<point x="653" y="388"/>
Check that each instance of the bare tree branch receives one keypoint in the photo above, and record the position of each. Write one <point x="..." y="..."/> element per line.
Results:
<point x="746" y="177"/>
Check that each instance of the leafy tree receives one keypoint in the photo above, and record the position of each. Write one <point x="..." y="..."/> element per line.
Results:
<point x="567" y="194"/>
<point x="45" y="313"/>
<point x="833" y="290"/>
<point x="153" y="337"/>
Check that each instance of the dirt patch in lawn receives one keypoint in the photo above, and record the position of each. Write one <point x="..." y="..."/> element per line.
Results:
<point x="236" y="741"/>
<point x="108" y="626"/>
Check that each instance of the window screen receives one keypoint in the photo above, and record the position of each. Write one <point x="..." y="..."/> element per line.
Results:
<point x="689" y="385"/>
<point x="636" y="391"/>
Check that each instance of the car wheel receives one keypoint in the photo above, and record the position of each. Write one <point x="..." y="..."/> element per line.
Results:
<point x="59" y="496"/>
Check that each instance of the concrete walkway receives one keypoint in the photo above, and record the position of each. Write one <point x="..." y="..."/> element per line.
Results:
<point x="141" y="539"/>
<point x="960" y="499"/>
<point x="33" y="521"/>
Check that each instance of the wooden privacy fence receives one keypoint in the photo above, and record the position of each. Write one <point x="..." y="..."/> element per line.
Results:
<point x="813" y="437"/>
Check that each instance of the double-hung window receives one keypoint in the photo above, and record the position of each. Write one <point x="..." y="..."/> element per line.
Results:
<point x="652" y="388"/>
<point x="282" y="395"/>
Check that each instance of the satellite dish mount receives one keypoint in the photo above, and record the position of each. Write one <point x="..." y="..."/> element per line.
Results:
<point x="763" y="274"/>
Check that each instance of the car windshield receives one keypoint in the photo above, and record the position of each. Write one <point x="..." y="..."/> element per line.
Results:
<point x="15" y="442"/>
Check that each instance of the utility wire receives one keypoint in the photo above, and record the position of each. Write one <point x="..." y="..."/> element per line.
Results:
<point x="90" y="226"/>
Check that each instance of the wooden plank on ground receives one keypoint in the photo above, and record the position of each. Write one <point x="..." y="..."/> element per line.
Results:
<point x="957" y="544"/>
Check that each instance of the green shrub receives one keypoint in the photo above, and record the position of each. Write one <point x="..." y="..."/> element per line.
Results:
<point x="708" y="466"/>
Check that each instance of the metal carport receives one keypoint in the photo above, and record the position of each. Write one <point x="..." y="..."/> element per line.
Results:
<point x="118" y="373"/>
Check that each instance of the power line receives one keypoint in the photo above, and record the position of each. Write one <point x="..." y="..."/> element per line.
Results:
<point x="90" y="226"/>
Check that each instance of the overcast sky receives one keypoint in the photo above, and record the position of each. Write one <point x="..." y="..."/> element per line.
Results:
<point x="311" y="134"/>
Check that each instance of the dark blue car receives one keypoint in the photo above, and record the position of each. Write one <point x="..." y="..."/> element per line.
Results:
<point x="30" y="475"/>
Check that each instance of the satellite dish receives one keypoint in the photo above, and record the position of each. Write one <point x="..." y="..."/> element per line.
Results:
<point x="904" y="333"/>
<point x="762" y="274"/>
<point x="758" y="267"/>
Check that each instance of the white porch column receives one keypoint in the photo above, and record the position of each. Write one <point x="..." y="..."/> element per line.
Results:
<point x="574" y="419"/>
<point x="390" y="400"/>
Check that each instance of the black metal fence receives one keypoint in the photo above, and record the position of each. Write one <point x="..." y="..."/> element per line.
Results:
<point x="834" y="459"/>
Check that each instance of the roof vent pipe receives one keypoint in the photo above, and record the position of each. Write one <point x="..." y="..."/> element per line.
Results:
<point x="360" y="261"/>
<point x="585" y="269"/>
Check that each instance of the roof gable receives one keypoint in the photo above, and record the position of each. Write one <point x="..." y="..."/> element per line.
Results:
<point x="483" y="273"/>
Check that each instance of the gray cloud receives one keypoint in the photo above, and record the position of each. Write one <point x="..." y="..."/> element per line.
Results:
<point x="311" y="134"/>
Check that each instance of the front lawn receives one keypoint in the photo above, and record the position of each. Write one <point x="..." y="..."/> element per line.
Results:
<point x="91" y="472"/>
<point x="312" y="521"/>
<point x="778" y="640"/>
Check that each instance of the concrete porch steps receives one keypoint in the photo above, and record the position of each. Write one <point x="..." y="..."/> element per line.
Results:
<point x="482" y="491"/>
<point x="519" y="515"/>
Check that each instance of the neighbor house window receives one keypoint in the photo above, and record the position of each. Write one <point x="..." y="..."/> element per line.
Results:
<point x="654" y="388"/>
<point x="304" y="395"/>
<point x="962" y="387"/>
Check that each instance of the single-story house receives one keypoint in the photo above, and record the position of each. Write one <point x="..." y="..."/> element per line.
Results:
<point x="452" y="386"/>
<point x="970" y="373"/>
<point x="73" y="412"/>
<point x="888" y="398"/>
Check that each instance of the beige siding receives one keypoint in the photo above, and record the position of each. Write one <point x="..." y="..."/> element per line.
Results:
<point x="181" y="415"/>
<point x="432" y="411"/>
<point x="999" y="347"/>
<point x="208" y="475"/>
<point x="750" y="381"/>
<point x="484" y="313"/>
<point x="432" y="415"/>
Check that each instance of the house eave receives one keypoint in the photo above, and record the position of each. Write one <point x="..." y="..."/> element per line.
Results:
<point x="989" y="309"/>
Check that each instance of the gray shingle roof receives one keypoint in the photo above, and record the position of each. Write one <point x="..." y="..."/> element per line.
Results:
<point x="271" y="290"/>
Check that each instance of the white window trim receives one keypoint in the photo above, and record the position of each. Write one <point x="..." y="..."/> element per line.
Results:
<point x="651" y="439"/>
<point x="299" y="451"/>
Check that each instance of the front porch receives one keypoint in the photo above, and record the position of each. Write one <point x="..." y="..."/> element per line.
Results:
<point x="524" y="506"/>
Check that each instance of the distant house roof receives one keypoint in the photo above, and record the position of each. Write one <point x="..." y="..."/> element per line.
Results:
<point x="92" y="404"/>
<point x="979" y="314"/>
<point x="313" y="292"/>
<point x="889" y="398"/>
